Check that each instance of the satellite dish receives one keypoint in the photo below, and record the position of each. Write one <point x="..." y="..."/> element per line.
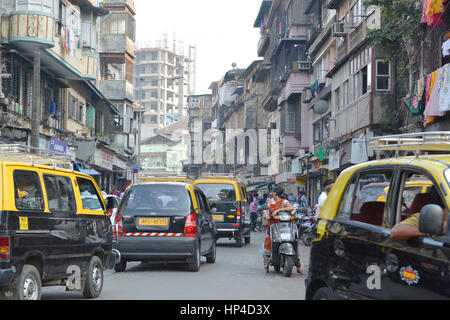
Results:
<point x="374" y="18"/>
<point x="234" y="65"/>
<point x="321" y="107"/>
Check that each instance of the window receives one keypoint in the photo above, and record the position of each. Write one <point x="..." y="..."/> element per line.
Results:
<point x="154" y="119"/>
<point x="290" y="121"/>
<point x="143" y="200"/>
<point x="417" y="190"/>
<point x="218" y="192"/>
<point x="365" y="197"/>
<point x="60" y="194"/>
<point x="28" y="191"/>
<point x="89" y="196"/>
<point x="80" y="115"/>
<point x="383" y="75"/>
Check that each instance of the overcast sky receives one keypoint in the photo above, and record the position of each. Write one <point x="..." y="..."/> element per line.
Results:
<point x="221" y="30"/>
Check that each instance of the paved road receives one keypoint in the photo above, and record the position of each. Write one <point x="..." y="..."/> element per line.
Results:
<point x="237" y="275"/>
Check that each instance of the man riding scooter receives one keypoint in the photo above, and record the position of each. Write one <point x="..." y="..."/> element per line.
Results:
<point x="280" y="204"/>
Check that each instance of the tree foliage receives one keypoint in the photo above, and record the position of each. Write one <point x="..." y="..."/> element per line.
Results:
<point x="400" y="26"/>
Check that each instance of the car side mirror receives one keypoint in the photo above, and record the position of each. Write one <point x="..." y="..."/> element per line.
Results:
<point x="431" y="220"/>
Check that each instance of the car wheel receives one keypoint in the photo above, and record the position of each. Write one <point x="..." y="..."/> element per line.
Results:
<point x="323" y="293"/>
<point x="94" y="279"/>
<point x="211" y="257"/>
<point x="195" y="264"/>
<point x="29" y="284"/>
<point x="239" y="241"/>
<point x="121" y="266"/>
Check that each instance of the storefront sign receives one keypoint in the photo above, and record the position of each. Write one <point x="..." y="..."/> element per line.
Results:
<point x="334" y="160"/>
<point x="58" y="146"/>
<point x="103" y="159"/>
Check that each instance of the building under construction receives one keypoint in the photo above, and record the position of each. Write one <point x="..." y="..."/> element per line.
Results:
<point x="164" y="79"/>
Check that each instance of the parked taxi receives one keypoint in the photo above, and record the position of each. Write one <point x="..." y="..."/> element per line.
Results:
<point x="54" y="227"/>
<point x="355" y="254"/>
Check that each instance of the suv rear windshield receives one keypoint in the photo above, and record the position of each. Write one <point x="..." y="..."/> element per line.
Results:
<point x="218" y="191"/>
<point x="159" y="198"/>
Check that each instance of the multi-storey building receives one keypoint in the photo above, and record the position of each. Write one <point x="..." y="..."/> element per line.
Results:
<point x="284" y="29"/>
<point x="117" y="59"/>
<point x="164" y="81"/>
<point x="50" y="51"/>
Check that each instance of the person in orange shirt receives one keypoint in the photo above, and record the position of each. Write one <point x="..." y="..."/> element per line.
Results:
<point x="280" y="205"/>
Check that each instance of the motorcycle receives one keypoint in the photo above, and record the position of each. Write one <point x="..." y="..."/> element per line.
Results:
<point x="308" y="228"/>
<point x="284" y="242"/>
<point x="260" y="226"/>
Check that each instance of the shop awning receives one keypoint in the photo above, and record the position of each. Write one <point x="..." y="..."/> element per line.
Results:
<point x="90" y="172"/>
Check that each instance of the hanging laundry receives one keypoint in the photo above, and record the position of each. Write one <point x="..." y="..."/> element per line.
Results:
<point x="432" y="10"/>
<point x="417" y="100"/>
<point x="444" y="89"/>
<point x="432" y="107"/>
<point x="446" y="48"/>
<point x="66" y="39"/>
<point x="435" y="7"/>
<point x="71" y="40"/>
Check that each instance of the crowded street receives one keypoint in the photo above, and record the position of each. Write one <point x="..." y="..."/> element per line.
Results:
<point x="238" y="274"/>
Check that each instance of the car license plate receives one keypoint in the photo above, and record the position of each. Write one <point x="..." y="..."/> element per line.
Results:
<point x="218" y="217"/>
<point x="153" y="221"/>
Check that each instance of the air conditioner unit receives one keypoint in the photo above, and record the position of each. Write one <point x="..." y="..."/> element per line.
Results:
<point x="338" y="29"/>
<point x="304" y="65"/>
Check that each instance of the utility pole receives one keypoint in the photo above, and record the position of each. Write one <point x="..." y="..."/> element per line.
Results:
<point x="36" y="104"/>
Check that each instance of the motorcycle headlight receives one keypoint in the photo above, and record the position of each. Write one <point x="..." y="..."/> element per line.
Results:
<point x="285" y="216"/>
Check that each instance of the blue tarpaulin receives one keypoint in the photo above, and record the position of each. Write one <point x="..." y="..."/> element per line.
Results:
<point x="90" y="172"/>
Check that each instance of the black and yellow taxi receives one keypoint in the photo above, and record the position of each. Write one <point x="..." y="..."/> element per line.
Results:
<point x="165" y="219"/>
<point x="54" y="228"/>
<point x="228" y="196"/>
<point x="394" y="246"/>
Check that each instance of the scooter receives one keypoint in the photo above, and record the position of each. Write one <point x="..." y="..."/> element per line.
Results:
<point x="284" y="243"/>
<point x="308" y="229"/>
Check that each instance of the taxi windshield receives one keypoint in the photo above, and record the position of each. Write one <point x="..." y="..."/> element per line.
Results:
<point x="218" y="191"/>
<point x="160" y="198"/>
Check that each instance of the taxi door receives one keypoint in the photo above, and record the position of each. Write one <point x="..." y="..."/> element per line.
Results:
<point x="354" y="233"/>
<point x="417" y="268"/>
<point x="66" y="236"/>
<point x="205" y="222"/>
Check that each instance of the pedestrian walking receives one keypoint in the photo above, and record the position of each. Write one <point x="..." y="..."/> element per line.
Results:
<point x="323" y="196"/>
<point x="254" y="211"/>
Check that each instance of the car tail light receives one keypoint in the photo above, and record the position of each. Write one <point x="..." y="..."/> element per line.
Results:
<point x="238" y="214"/>
<point x="118" y="225"/>
<point x="4" y="248"/>
<point x="190" y="225"/>
<point x="110" y="212"/>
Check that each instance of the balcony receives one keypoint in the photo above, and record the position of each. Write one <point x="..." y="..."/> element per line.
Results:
<point x="117" y="43"/>
<point x="291" y="145"/>
<point x="117" y="3"/>
<point x="29" y="30"/>
<point x="263" y="43"/>
<point x="117" y="90"/>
